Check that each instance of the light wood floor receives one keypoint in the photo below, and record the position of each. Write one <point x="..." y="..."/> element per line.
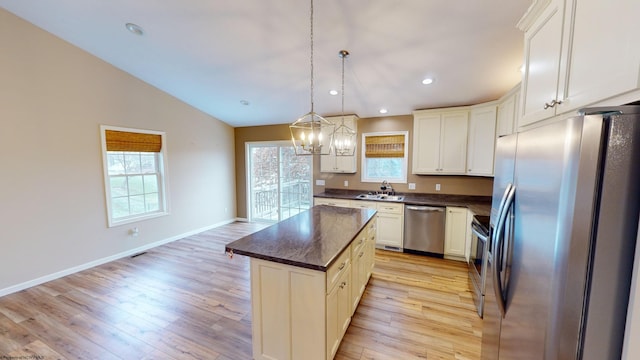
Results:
<point x="187" y="300"/>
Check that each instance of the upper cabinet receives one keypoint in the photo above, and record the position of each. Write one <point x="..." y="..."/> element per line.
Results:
<point x="508" y="112"/>
<point x="482" y="140"/>
<point x="440" y="141"/>
<point x="578" y="53"/>
<point x="340" y="164"/>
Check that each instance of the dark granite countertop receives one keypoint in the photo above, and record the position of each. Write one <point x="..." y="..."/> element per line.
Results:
<point x="312" y="239"/>
<point x="479" y="205"/>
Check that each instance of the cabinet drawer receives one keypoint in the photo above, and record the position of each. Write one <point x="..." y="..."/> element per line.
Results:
<point x="331" y="202"/>
<point x="391" y="208"/>
<point x="338" y="268"/>
<point x="359" y="204"/>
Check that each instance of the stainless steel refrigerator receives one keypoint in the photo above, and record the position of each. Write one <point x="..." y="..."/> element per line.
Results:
<point x="564" y="221"/>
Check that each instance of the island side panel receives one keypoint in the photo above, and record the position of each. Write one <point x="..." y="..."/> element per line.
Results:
<point x="288" y="311"/>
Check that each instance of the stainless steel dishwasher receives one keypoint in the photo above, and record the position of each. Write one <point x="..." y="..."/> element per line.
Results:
<point x="424" y="230"/>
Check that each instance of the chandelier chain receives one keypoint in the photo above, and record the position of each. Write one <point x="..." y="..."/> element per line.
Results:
<point x="311" y="37"/>
<point x="343" y="57"/>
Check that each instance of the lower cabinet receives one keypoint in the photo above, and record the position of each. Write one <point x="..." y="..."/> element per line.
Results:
<point x="299" y="313"/>
<point x="455" y="235"/>
<point x="390" y="223"/>
<point x="362" y="253"/>
<point x="338" y="311"/>
<point x="390" y="226"/>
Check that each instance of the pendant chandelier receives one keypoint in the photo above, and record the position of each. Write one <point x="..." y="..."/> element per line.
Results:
<point x="344" y="138"/>
<point x="312" y="134"/>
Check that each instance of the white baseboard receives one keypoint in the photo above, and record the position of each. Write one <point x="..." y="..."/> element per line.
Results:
<point x="75" y="269"/>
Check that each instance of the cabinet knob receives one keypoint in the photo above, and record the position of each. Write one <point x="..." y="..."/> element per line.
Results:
<point x="342" y="266"/>
<point x="344" y="283"/>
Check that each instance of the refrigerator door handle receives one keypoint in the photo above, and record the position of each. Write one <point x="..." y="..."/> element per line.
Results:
<point x="498" y="248"/>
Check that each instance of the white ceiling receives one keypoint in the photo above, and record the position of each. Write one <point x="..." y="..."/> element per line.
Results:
<point x="212" y="54"/>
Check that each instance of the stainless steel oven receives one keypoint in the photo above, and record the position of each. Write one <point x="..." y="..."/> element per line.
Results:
<point x="478" y="259"/>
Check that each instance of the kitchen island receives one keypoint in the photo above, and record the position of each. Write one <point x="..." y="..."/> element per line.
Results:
<point x="308" y="274"/>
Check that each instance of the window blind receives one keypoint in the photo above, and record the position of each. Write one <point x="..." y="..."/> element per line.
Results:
<point x="384" y="146"/>
<point x="131" y="141"/>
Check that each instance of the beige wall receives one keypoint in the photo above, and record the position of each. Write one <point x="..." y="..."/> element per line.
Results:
<point x="53" y="99"/>
<point x="455" y="185"/>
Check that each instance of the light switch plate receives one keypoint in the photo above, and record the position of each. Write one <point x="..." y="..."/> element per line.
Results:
<point x="320" y="182"/>
<point x="412" y="186"/>
<point x="346" y="183"/>
<point x="437" y="187"/>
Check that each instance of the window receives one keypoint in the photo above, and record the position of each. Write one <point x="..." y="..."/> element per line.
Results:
<point x="134" y="164"/>
<point x="384" y="157"/>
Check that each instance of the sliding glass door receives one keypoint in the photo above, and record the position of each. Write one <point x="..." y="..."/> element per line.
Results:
<point x="279" y="182"/>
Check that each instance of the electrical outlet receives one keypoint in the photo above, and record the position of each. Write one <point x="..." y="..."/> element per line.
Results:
<point x="437" y="187"/>
<point x="346" y="183"/>
<point x="412" y="186"/>
<point x="320" y="182"/>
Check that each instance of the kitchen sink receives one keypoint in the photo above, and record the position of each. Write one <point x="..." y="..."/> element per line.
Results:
<point x="381" y="197"/>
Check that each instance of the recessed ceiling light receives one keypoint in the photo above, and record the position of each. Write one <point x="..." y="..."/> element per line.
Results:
<point x="134" y="29"/>
<point x="244" y="102"/>
<point x="383" y="111"/>
<point x="427" y="81"/>
<point x="333" y="92"/>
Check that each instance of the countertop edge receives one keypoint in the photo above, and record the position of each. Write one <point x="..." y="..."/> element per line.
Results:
<point x="479" y="205"/>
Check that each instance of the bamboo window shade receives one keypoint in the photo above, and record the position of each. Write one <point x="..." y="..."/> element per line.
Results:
<point x="384" y="146"/>
<point x="131" y="141"/>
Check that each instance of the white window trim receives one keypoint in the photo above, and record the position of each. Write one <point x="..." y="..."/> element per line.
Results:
<point x="163" y="188"/>
<point x="405" y="162"/>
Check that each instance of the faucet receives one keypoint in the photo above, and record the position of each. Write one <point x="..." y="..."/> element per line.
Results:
<point x="386" y="187"/>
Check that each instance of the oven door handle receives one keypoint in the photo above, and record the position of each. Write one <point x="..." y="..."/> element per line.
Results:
<point x="477" y="231"/>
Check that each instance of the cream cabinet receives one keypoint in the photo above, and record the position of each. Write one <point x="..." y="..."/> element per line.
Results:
<point x="340" y="164"/>
<point x="338" y="312"/>
<point x="570" y="62"/>
<point x="507" y="112"/>
<point x="455" y="235"/>
<point x="440" y="141"/>
<point x="390" y="226"/>
<point x="288" y="330"/>
<point x="362" y="259"/>
<point x="332" y="202"/>
<point x="482" y="139"/>
<point x="299" y="313"/>
<point x="389" y="223"/>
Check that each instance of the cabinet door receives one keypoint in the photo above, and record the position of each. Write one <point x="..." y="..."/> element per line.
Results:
<point x="340" y="164"/>
<point x="482" y="139"/>
<point x="455" y="236"/>
<point x="604" y="60"/>
<point x="333" y="329"/>
<point x="358" y="276"/>
<point x="453" y="146"/>
<point x="389" y="230"/>
<point x="542" y="46"/>
<point x="507" y="112"/>
<point x="426" y="144"/>
<point x="327" y="163"/>
<point x="338" y="312"/>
